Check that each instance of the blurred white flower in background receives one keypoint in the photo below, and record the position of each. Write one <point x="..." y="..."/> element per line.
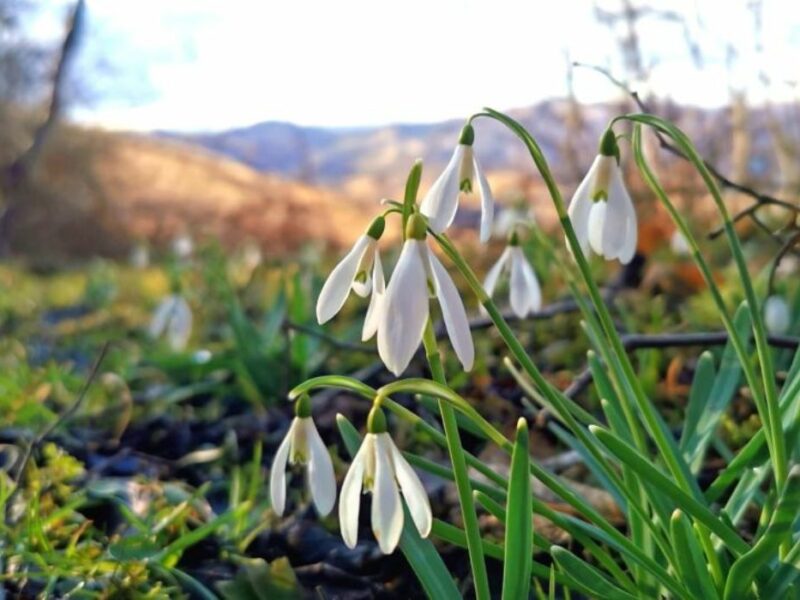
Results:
<point x="172" y="318"/>
<point x="524" y="289"/>
<point x="183" y="246"/>
<point x="777" y="316"/>
<point x="679" y="244"/>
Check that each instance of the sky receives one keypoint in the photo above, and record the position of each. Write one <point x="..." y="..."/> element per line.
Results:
<point x="203" y="65"/>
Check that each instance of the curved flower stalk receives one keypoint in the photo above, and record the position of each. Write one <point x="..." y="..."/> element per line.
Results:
<point x="352" y="272"/>
<point x="173" y="318"/>
<point x="380" y="468"/>
<point x="459" y="176"/>
<point x="405" y="306"/>
<point x="525" y="292"/>
<point x="303" y="446"/>
<point x="777" y="316"/>
<point x="601" y="210"/>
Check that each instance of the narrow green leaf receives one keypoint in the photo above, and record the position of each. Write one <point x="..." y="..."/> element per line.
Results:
<point x="585" y="578"/>
<point x="519" y="522"/>
<point x="691" y="564"/>
<point x="631" y="458"/>
<point x="741" y="575"/>
<point x="420" y="553"/>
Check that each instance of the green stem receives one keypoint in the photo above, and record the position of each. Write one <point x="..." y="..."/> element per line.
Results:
<point x="468" y="514"/>
<point x="771" y="418"/>
<point x="655" y="425"/>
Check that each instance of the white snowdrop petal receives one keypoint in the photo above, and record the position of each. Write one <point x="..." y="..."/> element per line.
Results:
<point x="350" y="496"/>
<point x="619" y="201"/>
<point x="405" y="309"/>
<point x="777" y="316"/>
<point x="161" y="316"/>
<point x="597" y="220"/>
<point x="581" y="204"/>
<point x="441" y="202"/>
<point x="337" y="286"/>
<point x="277" y="474"/>
<point x="453" y="313"/>
<point x="413" y="491"/>
<point x="375" y="307"/>
<point x="520" y="295"/>
<point x="321" y="478"/>
<point x="387" y="511"/>
<point x="179" y="327"/>
<point x="487" y="202"/>
<point x="494" y="273"/>
<point x="534" y="289"/>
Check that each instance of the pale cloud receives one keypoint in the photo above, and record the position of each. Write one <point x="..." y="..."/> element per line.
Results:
<point x="211" y="64"/>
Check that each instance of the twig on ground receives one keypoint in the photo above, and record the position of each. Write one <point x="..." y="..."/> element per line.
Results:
<point x="638" y="341"/>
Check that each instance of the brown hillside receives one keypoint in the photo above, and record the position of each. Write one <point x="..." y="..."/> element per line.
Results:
<point x="97" y="192"/>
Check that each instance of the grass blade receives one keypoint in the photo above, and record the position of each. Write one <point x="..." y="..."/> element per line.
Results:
<point x="519" y="522"/>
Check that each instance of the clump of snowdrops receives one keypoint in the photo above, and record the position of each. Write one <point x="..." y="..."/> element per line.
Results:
<point x="679" y="540"/>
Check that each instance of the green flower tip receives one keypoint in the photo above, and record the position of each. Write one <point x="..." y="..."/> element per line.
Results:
<point x="608" y="144"/>
<point x="376" y="228"/>
<point x="376" y="421"/>
<point x="302" y="407"/>
<point x="513" y="239"/>
<point x="417" y="227"/>
<point x="467" y="135"/>
<point x="593" y="429"/>
<point x="677" y="515"/>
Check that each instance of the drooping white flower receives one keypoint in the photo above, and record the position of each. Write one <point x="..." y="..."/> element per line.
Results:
<point x="173" y="318"/>
<point x="405" y="307"/>
<point x="352" y="272"/>
<point x="601" y="210"/>
<point x="777" y="315"/>
<point x="525" y="292"/>
<point x="380" y="468"/>
<point x="460" y="175"/>
<point x="303" y="446"/>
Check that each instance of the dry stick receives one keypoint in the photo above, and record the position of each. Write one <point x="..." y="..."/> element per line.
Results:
<point x="760" y="198"/>
<point x="64" y="417"/>
<point x="636" y="341"/>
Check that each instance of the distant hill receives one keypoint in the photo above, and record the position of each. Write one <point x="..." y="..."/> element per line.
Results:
<point x="97" y="192"/>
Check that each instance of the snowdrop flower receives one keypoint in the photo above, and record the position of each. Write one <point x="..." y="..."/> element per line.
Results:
<point x="183" y="246"/>
<point x="173" y="318"/>
<point x="526" y="295"/>
<point x="460" y="175"/>
<point x="601" y="210"/>
<point x="140" y="257"/>
<point x="777" y="316"/>
<point x="379" y="467"/>
<point x="303" y="446"/>
<point x="352" y="272"/>
<point x="405" y="306"/>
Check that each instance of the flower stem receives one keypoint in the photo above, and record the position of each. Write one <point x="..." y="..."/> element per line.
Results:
<point x="654" y="423"/>
<point x="461" y="475"/>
